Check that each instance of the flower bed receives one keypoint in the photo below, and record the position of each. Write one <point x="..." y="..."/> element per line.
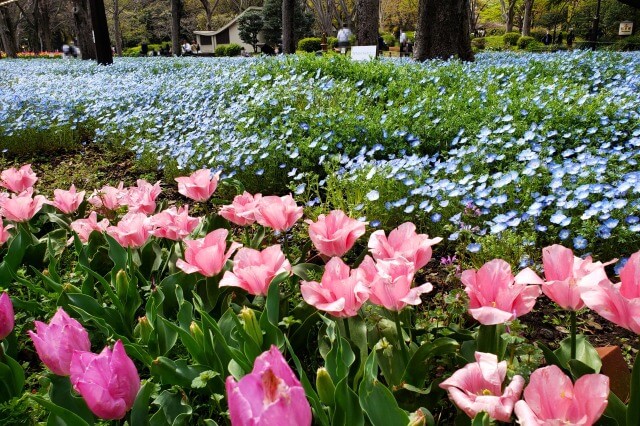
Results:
<point x="227" y="317"/>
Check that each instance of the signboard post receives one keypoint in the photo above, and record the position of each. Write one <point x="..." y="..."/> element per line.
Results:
<point x="626" y="28"/>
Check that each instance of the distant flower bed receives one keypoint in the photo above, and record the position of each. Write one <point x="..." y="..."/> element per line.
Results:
<point x="33" y="55"/>
<point x="536" y="148"/>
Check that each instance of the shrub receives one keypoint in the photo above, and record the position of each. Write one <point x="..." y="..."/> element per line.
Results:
<point x="411" y="36"/>
<point x="478" y="43"/>
<point x="524" y="41"/>
<point x="228" y="50"/>
<point x="511" y="39"/>
<point x="535" y="46"/>
<point x="389" y="39"/>
<point x="538" y="33"/>
<point x="495" y="31"/>
<point x="628" y="43"/>
<point x="332" y="42"/>
<point x="311" y="44"/>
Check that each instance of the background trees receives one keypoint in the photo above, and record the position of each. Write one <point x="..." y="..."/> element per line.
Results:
<point x="37" y="25"/>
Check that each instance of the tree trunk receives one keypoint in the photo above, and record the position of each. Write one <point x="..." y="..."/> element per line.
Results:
<point x="528" y="16"/>
<point x="508" y="13"/>
<point x="104" y="54"/>
<point x="42" y="15"/>
<point x="443" y="30"/>
<point x="288" y="40"/>
<point x="176" y="15"/>
<point x="84" y="31"/>
<point x="367" y="20"/>
<point x="8" y="33"/>
<point x="117" y="32"/>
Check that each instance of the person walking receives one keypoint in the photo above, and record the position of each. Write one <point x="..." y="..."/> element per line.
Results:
<point x="343" y="38"/>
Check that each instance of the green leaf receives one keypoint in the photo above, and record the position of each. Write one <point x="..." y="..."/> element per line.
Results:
<point x="633" y="408"/>
<point x="17" y="248"/>
<point x="63" y="417"/>
<point x="271" y="315"/>
<point x="173" y="410"/>
<point x="140" y="409"/>
<point x="377" y="400"/>
<point x="416" y="370"/>
<point x="178" y="372"/>
<point x="339" y="359"/>
<point x="616" y="412"/>
<point x="117" y="253"/>
<point x="585" y="353"/>
<point x="550" y="357"/>
<point x="11" y="378"/>
<point x="481" y="419"/>
<point x="579" y="369"/>
<point x="347" y="407"/>
<point x="307" y="271"/>
<point x="61" y="395"/>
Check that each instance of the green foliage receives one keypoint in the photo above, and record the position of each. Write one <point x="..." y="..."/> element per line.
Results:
<point x="249" y="25"/>
<point x="628" y="43"/>
<point x="311" y="44"/>
<point x="478" y="43"/>
<point x="389" y="39"/>
<point x="332" y="42"/>
<point x="272" y="18"/>
<point x="511" y="39"/>
<point x="525" y="41"/>
<point x="538" y="33"/>
<point x="228" y="50"/>
<point x="135" y="51"/>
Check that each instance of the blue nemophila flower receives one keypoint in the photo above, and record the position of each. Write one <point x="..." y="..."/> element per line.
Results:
<point x="563" y="234"/>
<point x="436" y="217"/>
<point x="579" y="243"/>
<point x="373" y="195"/>
<point x="474" y="247"/>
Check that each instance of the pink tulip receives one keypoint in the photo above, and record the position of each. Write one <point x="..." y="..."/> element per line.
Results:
<point x="551" y="399"/>
<point x="242" y="210"/>
<point x="278" y="213"/>
<point x="18" y="180"/>
<point x="109" y="197"/>
<point x="174" y="224"/>
<point x="496" y="296"/>
<point x="254" y="270"/>
<point x="133" y="230"/>
<point x="142" y="197"/>
<point x="335" y="233"/>
<point x="207" y="255"/>
<point x="270" y="395"/>
<point x="84" y="227"/>
<point x="619" y="303"/>
<point x="7" y="317"/>
<point x="565" y="274"/>
<point x="4" y="232"/>
<point x="67" y="201"/>
<point x="341" y="291"/>
<point x="389" y="283"/>
<point x="477" y="387"/>
<point x="56" y="342"/>
<point x="22" y="207"/>
<point x="404" y="242"/>
<point x="199" y="186"/>
<point x="108" y="382"/>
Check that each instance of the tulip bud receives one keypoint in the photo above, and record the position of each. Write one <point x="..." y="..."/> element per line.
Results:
<point x="7" y="317"/>
<point x="421" y="417"/>
<point x="122" y="284"/>
<point x="325" y="386"/>
<point x="196" y="332"/>
<point x="251" y="325"/>
<point x="143" y="329"/>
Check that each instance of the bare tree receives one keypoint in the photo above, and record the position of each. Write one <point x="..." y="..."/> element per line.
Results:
<point x="324" y="12"/>
<point x="209" y="10"/>
<point x="507" y="9"/>
<point x="8" y="26"/>
<point x="528" y="17"/>
<point x="345" y="12"/>
<point x="84" y="30"/>
<point x="288" y="40"/>
<point x="443" y="30"/>
<point x="367" y="20"/>
<point x="176" y="15"/>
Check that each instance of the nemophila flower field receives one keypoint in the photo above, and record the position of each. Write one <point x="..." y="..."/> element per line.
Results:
<point x="541" y="147"/>
<point x="300" y="294"/>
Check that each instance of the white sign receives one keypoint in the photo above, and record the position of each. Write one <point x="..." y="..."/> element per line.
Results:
<point x="363" y="53"/>
<point x="626" y="28"/>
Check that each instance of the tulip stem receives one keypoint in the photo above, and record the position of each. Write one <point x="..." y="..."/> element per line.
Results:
<point x="403" y="346"/>
<point x="347" y="332"/>
<point x="573" y="334"/>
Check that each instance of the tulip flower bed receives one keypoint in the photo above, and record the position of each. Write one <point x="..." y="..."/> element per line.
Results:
<point x="115" y="307"/>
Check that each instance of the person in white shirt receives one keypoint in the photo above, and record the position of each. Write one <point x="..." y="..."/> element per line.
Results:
<point x="404" y="51"/>
<point x="186" y="48"/>
<point x="343" y="36"/>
